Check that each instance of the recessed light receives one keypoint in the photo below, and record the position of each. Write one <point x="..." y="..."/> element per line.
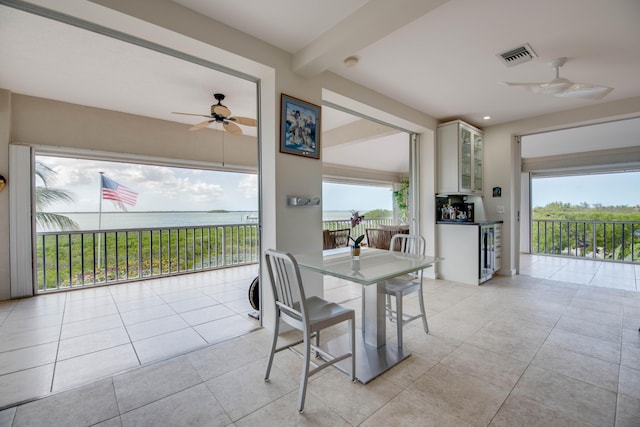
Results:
<point x="486" y="118"/>
<point x="351" y="61"/>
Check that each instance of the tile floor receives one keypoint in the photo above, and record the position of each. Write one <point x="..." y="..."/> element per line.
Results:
<point x="524" y="350"/>
<point x="582" y="271"/>
<point x="57" y="341"/>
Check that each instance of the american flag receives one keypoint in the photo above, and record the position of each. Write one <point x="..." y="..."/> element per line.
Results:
<point x="117" y="193"/>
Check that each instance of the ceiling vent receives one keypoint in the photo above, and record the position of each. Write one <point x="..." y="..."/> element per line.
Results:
<point x="518" y="55"/>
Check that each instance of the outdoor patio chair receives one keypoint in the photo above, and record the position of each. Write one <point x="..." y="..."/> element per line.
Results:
<point x="336" y="238"/>
<point x="380" y="238"/>
<point x="309" y="315"/>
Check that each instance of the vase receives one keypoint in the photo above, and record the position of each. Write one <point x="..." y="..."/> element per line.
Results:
<point x="355" y="252"/>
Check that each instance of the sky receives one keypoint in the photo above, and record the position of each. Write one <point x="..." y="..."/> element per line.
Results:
<point x="162" y="188"/>
<point x="340" y="197"/>
<point x="159" y="188"/>
<point x="613" y="189"/>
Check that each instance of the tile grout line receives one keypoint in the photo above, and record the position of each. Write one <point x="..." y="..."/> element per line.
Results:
<point x="532" y="359"/>
<point x="55" y="361"/>
<point x="125" y="326"/>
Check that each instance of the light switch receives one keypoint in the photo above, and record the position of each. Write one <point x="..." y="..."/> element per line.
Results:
<point x="500" y="209"/>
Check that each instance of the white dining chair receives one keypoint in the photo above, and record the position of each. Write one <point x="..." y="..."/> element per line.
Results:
<point x="309" y="315"/>
<point x="405" y="285"/>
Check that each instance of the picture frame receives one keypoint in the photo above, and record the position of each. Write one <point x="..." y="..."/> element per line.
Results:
<point x="299" y="127"/>
<point x="497" y="192"/>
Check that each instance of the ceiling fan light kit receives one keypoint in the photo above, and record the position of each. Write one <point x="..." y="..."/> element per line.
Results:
<point x="221" y="114"/>
<point x="565" y="88"/>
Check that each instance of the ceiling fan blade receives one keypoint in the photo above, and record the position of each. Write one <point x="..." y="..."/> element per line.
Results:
<point x="521" y="84"/>
<point x="585" y="91"/>
<point x="247" y="121"/>
<point x="232" y="128"/>
<point x="548" y="88"/>
<point x="190" y="114"/>
<point x="201" y="125"/>
<point x="222" y="110"/>
<point x="565" y="88"/>
<point x="554" y="87"/>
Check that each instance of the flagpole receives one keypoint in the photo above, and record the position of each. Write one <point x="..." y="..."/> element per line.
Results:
<point x="100" y="223"/>
<point x="100" y="208"/>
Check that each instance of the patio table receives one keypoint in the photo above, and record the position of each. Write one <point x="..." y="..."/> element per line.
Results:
<point x="374" y="266"/>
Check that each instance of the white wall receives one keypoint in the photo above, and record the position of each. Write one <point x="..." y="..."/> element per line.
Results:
<point x="5" y="127"/>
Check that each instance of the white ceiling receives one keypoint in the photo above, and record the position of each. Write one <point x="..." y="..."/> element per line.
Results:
<point x="45" y="58"/>
<point x="436" y="56"/>
<point x="444" y="62"/>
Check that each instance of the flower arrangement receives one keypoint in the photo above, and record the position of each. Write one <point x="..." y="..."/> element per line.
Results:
<point x="356" y="218"/>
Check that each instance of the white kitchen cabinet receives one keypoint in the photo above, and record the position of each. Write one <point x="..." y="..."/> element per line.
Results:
<point x="459" y="245"/>
<point x="460" y="158"/>
<point x="471" y="252"/>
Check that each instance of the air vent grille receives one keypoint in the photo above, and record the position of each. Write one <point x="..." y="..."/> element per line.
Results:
<point x="518" y="55"/>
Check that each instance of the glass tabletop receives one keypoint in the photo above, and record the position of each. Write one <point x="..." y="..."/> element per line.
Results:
<point x="374" y="265"/>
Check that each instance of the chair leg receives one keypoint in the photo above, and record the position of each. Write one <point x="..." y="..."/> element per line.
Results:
<point x="305" y="373"/>
<point x="362" y="316"/>
<point x="273" y="347"/>
<point x="316" y="342"/>
<point x="352" y="341"/>
<point x="425" y="325"/>
<point x="390" y="308"/>
<point x="399" y="318"/>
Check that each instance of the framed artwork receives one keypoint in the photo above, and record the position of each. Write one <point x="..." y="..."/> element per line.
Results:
<point x="497" y="192"/>
<point x="299" y="127"/>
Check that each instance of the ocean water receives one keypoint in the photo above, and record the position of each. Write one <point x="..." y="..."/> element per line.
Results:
<point x="125" y="220"/>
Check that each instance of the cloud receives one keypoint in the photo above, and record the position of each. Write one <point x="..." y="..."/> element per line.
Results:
<point x="158" y="187"/>
<point x="248" y="187"/>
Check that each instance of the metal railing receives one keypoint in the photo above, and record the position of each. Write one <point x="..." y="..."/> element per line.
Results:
<point x="76" y="259"/>
<point x="73" y="259"/>
<point x="604" y="240"/>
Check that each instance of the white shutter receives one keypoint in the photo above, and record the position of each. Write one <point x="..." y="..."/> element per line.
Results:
<point x="20" y="236"/>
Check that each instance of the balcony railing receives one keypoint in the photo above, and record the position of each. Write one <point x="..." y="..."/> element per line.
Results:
<point x="72" y="259"/>
<point x="605" y="240"/>
<point x="75" y="259"/>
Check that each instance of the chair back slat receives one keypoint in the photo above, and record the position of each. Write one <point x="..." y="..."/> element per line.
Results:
<point x="408" y="243"/>
<point x="286" y="283"/>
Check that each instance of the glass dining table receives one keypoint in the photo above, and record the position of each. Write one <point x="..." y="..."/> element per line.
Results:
<point x="374" y="266"/>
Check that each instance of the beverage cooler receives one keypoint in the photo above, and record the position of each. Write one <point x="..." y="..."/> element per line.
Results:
<point x="487" y="252"/>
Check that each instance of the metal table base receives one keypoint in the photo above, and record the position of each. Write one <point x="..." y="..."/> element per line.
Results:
<point x="371" y="362"/>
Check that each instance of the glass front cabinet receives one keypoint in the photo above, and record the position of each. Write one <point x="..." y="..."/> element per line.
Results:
<point x="460" y="158"/>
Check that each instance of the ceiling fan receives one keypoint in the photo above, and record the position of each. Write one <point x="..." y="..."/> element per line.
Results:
<point x="563" y="87"/>
<point x="221" y="114"/>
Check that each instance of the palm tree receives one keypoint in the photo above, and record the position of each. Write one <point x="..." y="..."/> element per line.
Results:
<point x="46" y="195"/>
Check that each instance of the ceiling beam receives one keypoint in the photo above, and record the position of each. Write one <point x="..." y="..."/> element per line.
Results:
<point x="373" y="21"/>
<point x="360" y="130"/>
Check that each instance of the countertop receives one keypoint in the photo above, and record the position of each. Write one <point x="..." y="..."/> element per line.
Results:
<point x="476" y="222"/>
